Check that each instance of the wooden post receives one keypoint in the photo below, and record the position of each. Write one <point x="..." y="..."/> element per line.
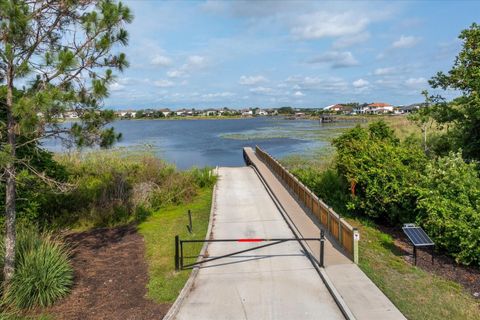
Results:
<point x="328" y="219"/>
<point x="340" y="231"/>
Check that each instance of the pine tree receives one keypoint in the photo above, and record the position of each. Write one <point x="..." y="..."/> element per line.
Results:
<point x="62" y="53"/>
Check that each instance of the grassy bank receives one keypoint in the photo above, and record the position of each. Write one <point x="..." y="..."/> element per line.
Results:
<point x="159" y="231"/>
<point x="416" y="293"/>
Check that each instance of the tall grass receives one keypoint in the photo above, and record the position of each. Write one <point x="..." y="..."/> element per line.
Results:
<point x="43" y="273"/>
<point x="116" y="187"/>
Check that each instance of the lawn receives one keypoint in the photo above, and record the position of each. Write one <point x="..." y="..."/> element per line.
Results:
<point x="159" y="231"/>
<point x="416" y="293"/>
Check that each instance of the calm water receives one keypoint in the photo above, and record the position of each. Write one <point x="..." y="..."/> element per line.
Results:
<point x="200" y="143"/>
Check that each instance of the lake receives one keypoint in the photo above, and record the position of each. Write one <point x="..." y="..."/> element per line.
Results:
<point x="188" y="143"/>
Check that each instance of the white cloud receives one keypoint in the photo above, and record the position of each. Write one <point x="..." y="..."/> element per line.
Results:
<point x="217" y="95"/>
<point x="326" y="24"/>
<point x="252" y="80"/>
<point x="416" y="83"/>
<point x="333" y="84"/>
<point x="263" y="91"/>
<point x="192" y="63"/>
<point x="163" y="83"/>
<point x="337" y="59"/>
<point x="390" y="83"/>
<point x="299" y="94"/>
<point x="116" y="86"/>
<point x="350" y="40"/>
<point x="385" y="71"/>
<point x="120" y="83"/>
<point x="405" y="42"/>
<point x="161" y="61"/>
<point x="360" y="83"/>
<point x="195" y="61"/>
<point x="176" y="73"/>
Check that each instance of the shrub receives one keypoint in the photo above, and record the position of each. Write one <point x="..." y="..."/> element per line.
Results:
<point x="449" y="207"/>
<point x="42" y="271"/>
<point x="32" y="191"/>
<point x="117" y="186"/>
<point x="108" y="188"/>
<point x="328" y="185"/>
<point x="203" y="177"/>
<point x="381" y="171"/>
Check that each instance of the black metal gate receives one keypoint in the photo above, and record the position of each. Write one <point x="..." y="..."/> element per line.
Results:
<point x="180" y="244"/>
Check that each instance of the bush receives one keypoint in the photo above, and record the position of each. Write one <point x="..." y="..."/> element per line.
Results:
<point x="42" y="271"/>
<point x="328" y="185"/>
<point x="115" y="187"/>
<point x="381" y="171"/>
<point x="32" y="192"/>
<point x="107" y="188"/>
<point x="203" y="177"/>
<point x="449" y="207"/>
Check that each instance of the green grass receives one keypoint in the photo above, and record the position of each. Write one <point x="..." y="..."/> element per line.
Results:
<point x="417" y="293"/>
<point x="159" y="231"/>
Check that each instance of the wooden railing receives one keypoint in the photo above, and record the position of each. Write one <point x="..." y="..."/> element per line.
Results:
<point x="341" y="231"/>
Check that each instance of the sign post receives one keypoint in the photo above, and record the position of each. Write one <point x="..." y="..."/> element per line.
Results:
<point x="356" y="238"/>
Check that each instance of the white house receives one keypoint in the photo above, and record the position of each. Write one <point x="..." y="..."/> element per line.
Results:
<point x="71" y="115"/>
<point x="181" y="113"/>
<point x="127" y="114"/>
<point x="210" y="112"/>
<point x="374" y="108"/>
<point x="165" y="112"/>
<point x="247" y="113"/>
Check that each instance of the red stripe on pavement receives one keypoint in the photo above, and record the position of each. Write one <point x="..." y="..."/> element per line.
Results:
<point x="250" y="240"/>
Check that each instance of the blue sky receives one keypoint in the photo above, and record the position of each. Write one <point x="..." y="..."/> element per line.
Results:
<point x="270" y="54"/>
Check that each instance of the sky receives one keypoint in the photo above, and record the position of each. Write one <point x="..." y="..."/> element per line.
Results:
<point x="240" y="54"/>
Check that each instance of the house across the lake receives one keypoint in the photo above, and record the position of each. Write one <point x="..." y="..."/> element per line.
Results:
<point x="126" y="113"/>
<point x="339" y="108"/>
<point x="374" y="108"/>
<point x="210" y="112"/>
<point x="70" y="115"/>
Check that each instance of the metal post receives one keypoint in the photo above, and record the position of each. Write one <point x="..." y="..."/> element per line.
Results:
<point x="322" y="248"/>
<point x="433" y="253"/>
<point x="415" y="254"/>
<point x="189" y="227"/>
<point x="177" y="241"/>
<point x="181" y="255"/>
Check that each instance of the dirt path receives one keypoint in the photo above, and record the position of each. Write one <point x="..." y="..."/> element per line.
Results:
<point x="110" y="278"/>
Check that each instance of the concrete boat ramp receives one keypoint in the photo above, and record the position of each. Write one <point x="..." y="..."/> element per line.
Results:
<point x="275" y="282"/>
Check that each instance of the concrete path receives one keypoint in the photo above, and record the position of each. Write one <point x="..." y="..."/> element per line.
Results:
<point x="364" y="299"/>
<point x="277" y="282"/>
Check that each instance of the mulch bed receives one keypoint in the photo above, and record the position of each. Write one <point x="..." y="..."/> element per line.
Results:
<point x="443" y="266"/>
<point x="110" y="278"/>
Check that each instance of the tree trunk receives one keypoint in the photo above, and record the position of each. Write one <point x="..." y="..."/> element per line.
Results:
<point x="425" y="139"/>
<point x="11" y="190"/>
